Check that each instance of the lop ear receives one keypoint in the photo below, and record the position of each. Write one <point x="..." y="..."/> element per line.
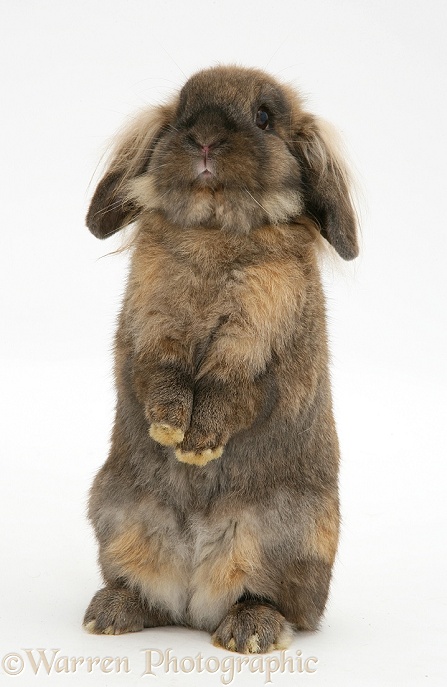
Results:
<point x="326" y="184"/>
<point x="111" y="209"/>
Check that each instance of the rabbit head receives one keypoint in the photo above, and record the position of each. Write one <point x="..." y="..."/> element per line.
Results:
<point x="235" y="150"/>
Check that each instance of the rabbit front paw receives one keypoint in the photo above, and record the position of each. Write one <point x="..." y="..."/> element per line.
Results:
<point x="168" y="422"/>
<point x="165" y="434"/>
<point x="199" y="446"/>
<point x="199" y="457"/>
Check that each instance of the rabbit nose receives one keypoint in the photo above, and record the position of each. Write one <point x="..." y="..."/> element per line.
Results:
<point x="206" y="148"/>
<point x="206" y="143"/>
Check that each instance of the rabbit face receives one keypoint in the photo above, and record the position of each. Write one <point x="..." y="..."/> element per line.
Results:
<point x="224" y="160"/>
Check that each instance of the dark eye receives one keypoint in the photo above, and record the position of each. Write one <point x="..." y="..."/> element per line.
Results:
<point x="262" y="119"/>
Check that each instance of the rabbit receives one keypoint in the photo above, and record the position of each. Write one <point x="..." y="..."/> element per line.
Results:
<point x="217" y="507"/>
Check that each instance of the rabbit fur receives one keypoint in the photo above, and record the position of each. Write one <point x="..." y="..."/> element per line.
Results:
<point x="217" y="507"/>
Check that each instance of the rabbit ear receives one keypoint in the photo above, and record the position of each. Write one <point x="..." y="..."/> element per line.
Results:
<point x="111" y="209"/>
<point x="326" y="184"/>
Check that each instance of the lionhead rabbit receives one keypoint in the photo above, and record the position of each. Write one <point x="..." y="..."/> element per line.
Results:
<point x="217" y="507"/>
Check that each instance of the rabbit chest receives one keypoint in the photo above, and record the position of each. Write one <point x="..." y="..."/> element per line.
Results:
<point x="201" y="285"/>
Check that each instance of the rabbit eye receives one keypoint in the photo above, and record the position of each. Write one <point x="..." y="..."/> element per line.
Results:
<point x="262" y="119"/>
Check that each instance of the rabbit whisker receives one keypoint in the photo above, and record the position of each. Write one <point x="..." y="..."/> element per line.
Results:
<point x="256" y="201"/>
<point x="109" y="208"/>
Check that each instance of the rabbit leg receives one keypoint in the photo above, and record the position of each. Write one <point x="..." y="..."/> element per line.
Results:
<point x="117" y="610"/>
<point x="302" y="598"/>
<point x="163" y="381"/>
<point x="304" y="575"/>
<point x="290" y="580"/>
<point x="168" y="403"/>
<point x="235" y="378"/>
<point x="253" y="627"/>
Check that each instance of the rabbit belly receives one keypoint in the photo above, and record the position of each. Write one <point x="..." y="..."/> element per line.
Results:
<point x="195" y="574"/>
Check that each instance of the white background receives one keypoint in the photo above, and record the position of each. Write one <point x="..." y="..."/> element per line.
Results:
<point x="71" y="74"/>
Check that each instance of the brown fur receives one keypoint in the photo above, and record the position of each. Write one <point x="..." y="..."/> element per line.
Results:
<point x="218" y="504"/>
